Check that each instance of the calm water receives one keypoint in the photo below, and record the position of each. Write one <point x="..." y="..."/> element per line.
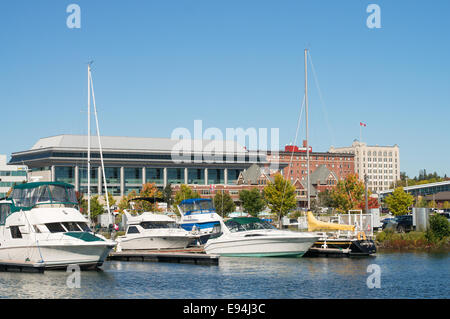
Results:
<point x="403" y="275"/>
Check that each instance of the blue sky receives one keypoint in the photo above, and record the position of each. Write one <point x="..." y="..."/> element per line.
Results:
<point x="159" y="65"/>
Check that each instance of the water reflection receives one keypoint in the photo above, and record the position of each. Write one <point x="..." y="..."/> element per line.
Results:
<point x="410" y="275"/>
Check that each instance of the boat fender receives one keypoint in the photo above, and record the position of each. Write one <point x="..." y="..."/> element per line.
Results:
<point x="363" y="235"/>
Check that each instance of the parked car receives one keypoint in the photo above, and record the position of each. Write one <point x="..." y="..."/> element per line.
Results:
<point x="401" y="224"/>
<point x="385" y="221"/>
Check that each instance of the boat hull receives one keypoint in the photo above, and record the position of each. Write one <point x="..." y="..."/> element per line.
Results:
<point x="203" y="227"/>
<point x="155" y="242"/>
<point x="261" y="247"/>
<point x="58" y="256"/>
<point x="342" y="248"/>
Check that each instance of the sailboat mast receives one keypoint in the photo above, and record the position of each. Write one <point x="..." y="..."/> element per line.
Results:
<point x="101" y="152"/>
<point x="89" y="145"/>
<point x="307" y="142"/>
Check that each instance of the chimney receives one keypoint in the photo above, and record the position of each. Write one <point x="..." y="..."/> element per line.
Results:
<point x="304" y="143"/>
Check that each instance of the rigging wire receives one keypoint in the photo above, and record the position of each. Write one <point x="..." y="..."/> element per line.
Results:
<point x="324" y="109"/>
<point x="292" y="151"/>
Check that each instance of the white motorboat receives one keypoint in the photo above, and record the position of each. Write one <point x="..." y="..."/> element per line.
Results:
<point x="253" y="237"/>
<point x="40" y="223"/>
<point x="198" y="214"/>
<point x="153" y="231"/>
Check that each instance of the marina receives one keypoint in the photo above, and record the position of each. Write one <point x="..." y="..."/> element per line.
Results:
<point x="229" y="165"/>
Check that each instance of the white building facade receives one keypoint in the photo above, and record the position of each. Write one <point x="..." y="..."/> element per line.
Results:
<point x="10" y="175"/>
<point x="381" y="164"/>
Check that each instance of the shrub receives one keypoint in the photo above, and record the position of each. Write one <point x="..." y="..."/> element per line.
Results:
<point x="439" y="228"/>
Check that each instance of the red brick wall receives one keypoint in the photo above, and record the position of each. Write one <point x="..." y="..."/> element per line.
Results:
<point x="340" y="164"/>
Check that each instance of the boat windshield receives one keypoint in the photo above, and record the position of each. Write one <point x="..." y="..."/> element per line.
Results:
<point x="157" y="225"/>
<point x="25" y="197"/>
<point x="242" y="225"/>
<point x="191" y="206"/>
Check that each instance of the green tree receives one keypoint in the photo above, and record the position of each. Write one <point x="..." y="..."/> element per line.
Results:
<point x="124" y="202"/>
<point x="82" y="203"/>
<point x="167" y="195"/>
<point x="431" y="204"/>
<point x="223" y="203"/>
<point x="421" y="202"/>
<point x="252" y="201"/>
<point x="325" y="199"/>
<point x="439" y="228"/>
<point x="148" y="190"/>
<point x="348" y="193"/>
<point x="399" y="201"/>
<point x="280" y="196"/>
<point x="96" y="207"/>
<point x="185" y="192"/>
<point x="111" y="199"/>
<point x="446" y="205"/>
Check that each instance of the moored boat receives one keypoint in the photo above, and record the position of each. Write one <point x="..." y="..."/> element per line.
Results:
<point x="149" y="231"/>
<point x="253" y="237"/>
<point x="199" y="215"/>
<point x="40" y="223"/>
<point x="332" y="244"/>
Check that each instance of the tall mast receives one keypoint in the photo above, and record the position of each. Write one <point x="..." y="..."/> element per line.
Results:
<point x="307" y="142"/>
<point x="89" y="144"/>
<point x="101" y="151"/>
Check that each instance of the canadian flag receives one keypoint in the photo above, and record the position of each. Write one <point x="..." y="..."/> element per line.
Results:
<point x="362" y="124"/>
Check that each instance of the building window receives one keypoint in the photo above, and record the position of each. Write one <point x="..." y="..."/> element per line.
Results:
<point x="112" y="175"/>
<point x="216" y="176"/>
<point x="133" y="176"/>
<point x="154" y="175"/>
<point x="233" y="175"/>
<point x="196" y="176"/>
<point x="175" y="175"/>
<point x="83" y="175"/>
<point x="65" y="174"/>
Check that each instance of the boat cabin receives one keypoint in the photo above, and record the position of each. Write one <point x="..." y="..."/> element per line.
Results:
<point x="239" y="224"/>
<point x="196" y="206"/>
<point x="149" y="221"/>
<point x="51" y="194"/>
<point x="28" y="196"/>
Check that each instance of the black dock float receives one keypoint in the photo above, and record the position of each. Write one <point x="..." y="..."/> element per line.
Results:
<point x="25" y="267"/>
<point x="327" y="252"/>
<point x="178" y="256"/>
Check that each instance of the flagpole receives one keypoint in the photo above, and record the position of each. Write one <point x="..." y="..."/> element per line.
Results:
<point x="360" y="133"/>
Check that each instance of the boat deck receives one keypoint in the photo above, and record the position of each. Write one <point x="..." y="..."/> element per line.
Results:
<point x="195" y="256"/>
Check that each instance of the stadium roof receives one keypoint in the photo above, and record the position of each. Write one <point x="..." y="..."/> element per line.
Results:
<point x="138" y="144"/>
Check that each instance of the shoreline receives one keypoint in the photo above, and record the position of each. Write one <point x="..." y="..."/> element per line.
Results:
<point x="410" y="242"/>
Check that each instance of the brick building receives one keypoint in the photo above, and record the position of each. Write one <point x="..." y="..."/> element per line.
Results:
<point x="341" y="164"/>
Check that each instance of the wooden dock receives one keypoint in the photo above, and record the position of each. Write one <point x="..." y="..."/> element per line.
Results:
<point x="194" y="256"/>
<point x="16" y="266"/>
